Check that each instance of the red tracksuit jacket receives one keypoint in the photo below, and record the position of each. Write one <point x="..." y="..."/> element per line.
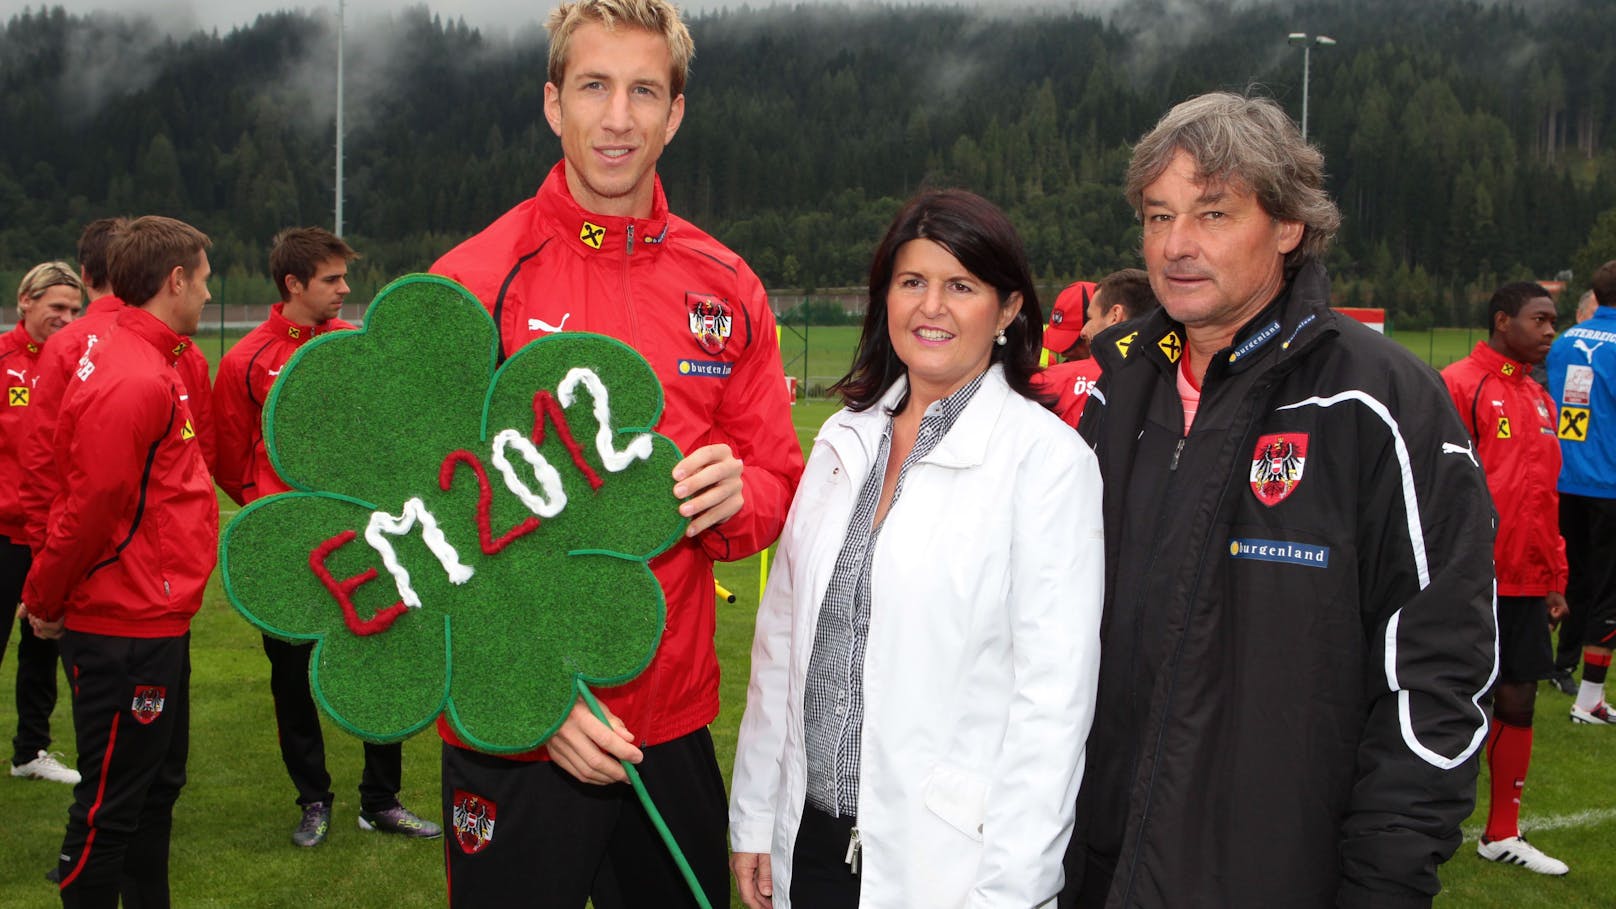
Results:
<point x="239" y="392"/>
<point x="61" y="357"/>
<point x="133" y="530"/>
<point x="19" y="357"/>
<point x="1512" y="420"/>
<point x="699" y="315"/>
<point x="1070" y="383"/>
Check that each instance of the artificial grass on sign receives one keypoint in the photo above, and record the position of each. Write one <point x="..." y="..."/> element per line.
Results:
<point x="463" y="539"/>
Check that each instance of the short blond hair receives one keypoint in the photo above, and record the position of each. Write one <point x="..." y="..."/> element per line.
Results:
<point x="44" y="276"/>
<point x="659" y="17"/>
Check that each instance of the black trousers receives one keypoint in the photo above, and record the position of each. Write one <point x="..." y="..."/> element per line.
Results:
<point x="1588" y="525"/>
<point x="525" y="833"/>
<point x="303" y="744"/>
<point x="820" y="873"/>
<point x="132" y="714"/>
<point x="36" y="660"/>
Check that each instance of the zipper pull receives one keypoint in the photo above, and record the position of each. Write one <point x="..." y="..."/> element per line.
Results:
<point x="629" y="249"/>
<point x="1178" y="450"/>
<point x="853" y="850"/>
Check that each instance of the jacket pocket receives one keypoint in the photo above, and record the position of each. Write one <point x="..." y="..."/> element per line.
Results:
<point x="959" y="797"/>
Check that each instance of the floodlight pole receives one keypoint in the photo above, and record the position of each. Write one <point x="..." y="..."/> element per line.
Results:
<point x="340" y="15"/>
<point x="1306" y="42"/>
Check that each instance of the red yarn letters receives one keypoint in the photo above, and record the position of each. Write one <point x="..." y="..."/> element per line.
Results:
<point x="342" y="591"/>
<point x="547" y="414"/>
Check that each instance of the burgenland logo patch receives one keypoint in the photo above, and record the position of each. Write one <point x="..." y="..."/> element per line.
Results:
<point x="473" y="821"/>
<point x="1285" y="551"/>
<point x="147" y="704"/>
<point x="710" y="321"/>
<point x="709" y="369"/>
<point x="1276" y="466"/>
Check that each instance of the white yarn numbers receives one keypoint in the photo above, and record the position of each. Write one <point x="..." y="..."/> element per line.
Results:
<point x="549" y="501"/>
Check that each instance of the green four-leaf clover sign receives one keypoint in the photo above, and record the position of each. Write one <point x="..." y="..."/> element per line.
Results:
<point x="463" y="537"/>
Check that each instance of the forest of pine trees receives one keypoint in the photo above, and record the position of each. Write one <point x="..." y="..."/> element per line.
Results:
<point x="1467" y="143"/>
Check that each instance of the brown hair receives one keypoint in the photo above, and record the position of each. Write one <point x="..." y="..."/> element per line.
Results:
<point x="1604" y="284"/>
<point x="147" y="251"/>
<point x="1130" y="289"/>
<point x="298" y="251"/>
<point x="93" y="245"/>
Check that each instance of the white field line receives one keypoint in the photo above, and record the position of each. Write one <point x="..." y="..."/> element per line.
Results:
<point x="1590" y="818"/>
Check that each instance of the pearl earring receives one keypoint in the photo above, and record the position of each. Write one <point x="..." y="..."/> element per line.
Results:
<point x="1001" y="340"/>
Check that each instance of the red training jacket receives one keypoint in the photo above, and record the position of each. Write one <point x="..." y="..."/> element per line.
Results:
<point x="19" y="357"/>
<point x="64" y="354"/>
<point x="1071" y="383"/>
<point x="1512" y="420"/>
<point x="133" y="531"/>
<point x="239" y="392"/>
<point x="699" y="315"/>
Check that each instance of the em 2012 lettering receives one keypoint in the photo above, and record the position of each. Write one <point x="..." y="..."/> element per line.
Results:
<point x="547" y="502"/>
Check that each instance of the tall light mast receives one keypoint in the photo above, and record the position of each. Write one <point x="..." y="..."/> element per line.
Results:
<point x="341" y="4"/>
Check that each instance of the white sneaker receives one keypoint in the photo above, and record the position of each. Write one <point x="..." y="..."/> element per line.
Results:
<point x="1599" y="716"/>
<point x="47" y="767"/>
<point x="1515" y="850"/>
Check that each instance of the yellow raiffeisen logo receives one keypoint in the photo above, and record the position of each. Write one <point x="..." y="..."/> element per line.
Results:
<point x="186" y="432"/>
<point x="1503" y="427"/>
<point x="1508" y="369"/>
<point x="1125" y="342"/>
<point x="592" y="234"/>
<point x="1574" y="424"/>
<point x="1171" y="347"/>
<point x="18" y="396"/>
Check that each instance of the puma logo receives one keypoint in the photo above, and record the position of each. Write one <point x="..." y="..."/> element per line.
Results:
<point x="1468" y="451"/>
<point x="541" y="325"/>
<point x="21" y="374"/>
<point x="1587" y="351"/>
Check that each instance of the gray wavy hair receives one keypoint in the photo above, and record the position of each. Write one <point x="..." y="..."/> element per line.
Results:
<point x="1247" y="141"/>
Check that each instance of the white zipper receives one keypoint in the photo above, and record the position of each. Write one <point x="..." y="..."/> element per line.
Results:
<point x="853" y="851"/>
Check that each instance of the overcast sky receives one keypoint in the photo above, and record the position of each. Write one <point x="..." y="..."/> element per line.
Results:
<point x="184" y="15"/>
<point x="223" y="14"/>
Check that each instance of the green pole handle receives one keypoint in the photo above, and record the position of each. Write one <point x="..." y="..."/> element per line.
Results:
<point x="650" y="807"/>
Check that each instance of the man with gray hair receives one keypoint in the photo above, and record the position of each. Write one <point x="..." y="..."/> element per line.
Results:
<point x="1298" y="634"/>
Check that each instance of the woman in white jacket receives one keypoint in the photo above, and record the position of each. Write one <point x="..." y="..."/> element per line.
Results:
<point x="924" y="668"/>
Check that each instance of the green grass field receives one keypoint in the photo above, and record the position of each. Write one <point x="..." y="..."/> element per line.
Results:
<point x="231" y="847"/>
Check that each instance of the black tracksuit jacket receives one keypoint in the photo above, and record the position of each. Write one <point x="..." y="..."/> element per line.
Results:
<point x="1298" y="633"/>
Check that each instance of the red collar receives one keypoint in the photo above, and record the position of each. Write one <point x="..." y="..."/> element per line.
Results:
<point x="286" y="328"/>
<point x="108" y="303"/>
<point x="22" y="340"/>
<point x="1498" y="364"/>
<point x="155" y="331"/>
<point x="595" y="234"/>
